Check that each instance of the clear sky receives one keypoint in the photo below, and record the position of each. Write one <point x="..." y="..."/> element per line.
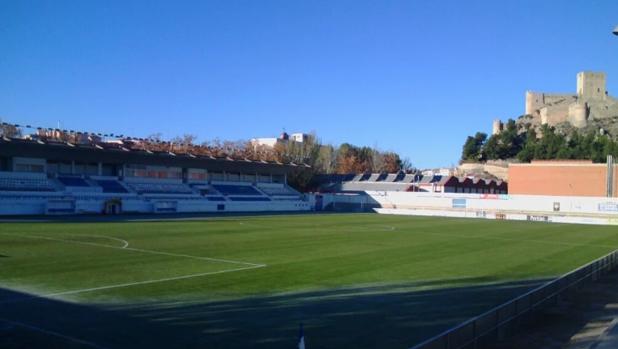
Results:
<point x="415" y="77"/>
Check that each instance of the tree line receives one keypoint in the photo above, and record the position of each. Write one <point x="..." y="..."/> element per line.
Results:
<point x="331" y="159"/>
<point x="311" y="156"/>
<point x="545" y="144"/>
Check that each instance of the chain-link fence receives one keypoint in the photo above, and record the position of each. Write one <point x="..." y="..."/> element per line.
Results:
<point x="487" y="328"/>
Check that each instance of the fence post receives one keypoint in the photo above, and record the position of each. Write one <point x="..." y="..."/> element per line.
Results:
<point x="474" y="334"/>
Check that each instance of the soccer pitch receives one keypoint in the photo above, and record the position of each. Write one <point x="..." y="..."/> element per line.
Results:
<point x="354" y="280"/>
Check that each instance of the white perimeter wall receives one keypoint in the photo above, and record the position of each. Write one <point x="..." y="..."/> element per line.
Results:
<point x="38" y="205"/>
<point x="591" y="210"/>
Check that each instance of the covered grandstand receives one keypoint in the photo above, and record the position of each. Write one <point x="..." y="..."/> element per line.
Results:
<point x="56" y="175"/>
<point x="410" y="182"/>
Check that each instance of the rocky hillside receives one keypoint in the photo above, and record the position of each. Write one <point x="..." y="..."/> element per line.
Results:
<point x="607" y="125"/>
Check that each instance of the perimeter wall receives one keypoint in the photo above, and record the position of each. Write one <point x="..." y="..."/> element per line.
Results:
<point x="563" y="209"/>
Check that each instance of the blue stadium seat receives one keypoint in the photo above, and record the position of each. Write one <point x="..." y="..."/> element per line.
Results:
<point x="73" y="182"/>
<point x="242" y="198"/>
<point x="111" y="186"/>
<point x="14" y="184"/>
<point x="160" y="188"/>
<point x="228" y="189"/>
<point x="278" y="191"/>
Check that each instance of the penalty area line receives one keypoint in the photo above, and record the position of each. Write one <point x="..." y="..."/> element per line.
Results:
<point x="128" y="284"/>
<point x="147" y="282"/>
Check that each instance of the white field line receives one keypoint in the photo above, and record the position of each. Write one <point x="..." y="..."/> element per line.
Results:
<point x="124" y="243"/>
<point x="52" y="333"/>
<point x="389" y="227"/>
<point x="30" y="236"/>
<point x="128" y="284"/>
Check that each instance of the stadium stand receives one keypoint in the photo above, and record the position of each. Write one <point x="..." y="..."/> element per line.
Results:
<point x="17" y="181"/>
<point x="73" y="182"/>
<point x="230" y="189"/>
<point x="277" y="190"/>
<point x="357" y="178"/>
<point x="247" y="198"/>
<point x="159" y="188"/>
<point x="111" y="186"/>
<point x="409" y="178"/>
<point x="374" y="186"/>
<point x="409" y="182"/>
<point x="373" y="177"/>
<point x="400" y="177"/>
<point x="365" y="177"/>
<point x="53" y="171"/>
<point x="13" y="184"/>
<point x="391" y="177"/>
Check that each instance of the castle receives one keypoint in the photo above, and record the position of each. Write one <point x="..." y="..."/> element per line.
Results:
<point x="591" y="102"/>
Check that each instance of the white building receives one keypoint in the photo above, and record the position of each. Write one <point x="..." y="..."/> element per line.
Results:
<point x="438" y="172"/>
<point x="284" y="138"/>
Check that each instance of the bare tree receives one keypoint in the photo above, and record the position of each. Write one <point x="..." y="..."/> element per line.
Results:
<point x="10" y="131"/>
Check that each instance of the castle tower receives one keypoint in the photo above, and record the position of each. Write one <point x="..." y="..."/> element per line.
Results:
<point x="578" y="114"/>
<point x="591" y="85"/>
<point x="496" y="127"/>
<point x="534" y="102"/>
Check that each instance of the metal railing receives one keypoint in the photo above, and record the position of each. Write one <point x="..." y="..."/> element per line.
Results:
<point x="489" y="327"/>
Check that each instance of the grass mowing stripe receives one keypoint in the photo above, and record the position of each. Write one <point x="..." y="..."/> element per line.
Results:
<point x="486" y="237"/>
<point x="336" y="273"/>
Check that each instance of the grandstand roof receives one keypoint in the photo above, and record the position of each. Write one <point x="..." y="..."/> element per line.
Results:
<point x="117" y="154"/>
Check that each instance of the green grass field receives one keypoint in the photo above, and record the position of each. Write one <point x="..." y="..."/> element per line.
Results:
<point x="356" y="280"/>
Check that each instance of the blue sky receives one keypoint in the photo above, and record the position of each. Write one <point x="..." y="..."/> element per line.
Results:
<point x="415" y="77"/>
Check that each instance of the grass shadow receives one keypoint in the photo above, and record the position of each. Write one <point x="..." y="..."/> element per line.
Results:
<point x="385" y="316"/>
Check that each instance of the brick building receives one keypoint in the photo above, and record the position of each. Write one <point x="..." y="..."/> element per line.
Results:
<point x="563" y="178"/>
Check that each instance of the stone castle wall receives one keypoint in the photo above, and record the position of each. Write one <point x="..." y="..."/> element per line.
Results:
<point x="535" y="101"/>
<point x="591" y="101"/>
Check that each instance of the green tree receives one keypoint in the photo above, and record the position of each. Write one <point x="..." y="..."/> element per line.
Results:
<point x="549" y="144"/>
<point x="526" y="146"/>
<point x="529" y="148"/>
<point x="491" y="149"/>
<point x="510" y="141"/>
<point x="473" y="146"/>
